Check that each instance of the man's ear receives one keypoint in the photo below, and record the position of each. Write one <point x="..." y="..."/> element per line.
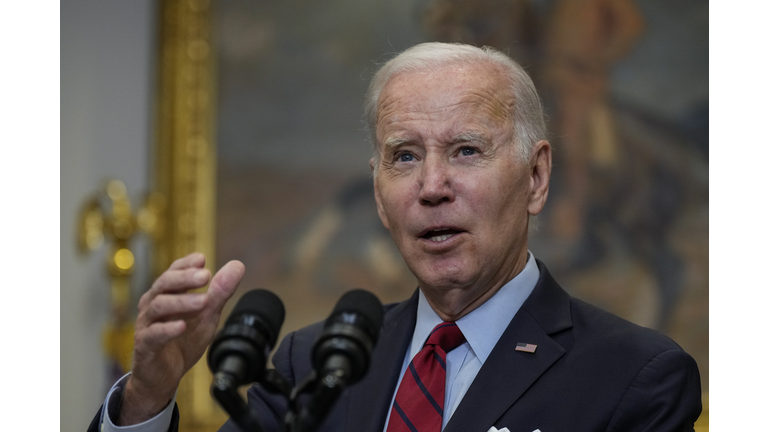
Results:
<point x="540" y="169"/>
<point x="379" y="207"/>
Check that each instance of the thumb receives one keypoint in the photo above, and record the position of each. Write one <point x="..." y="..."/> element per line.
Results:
<point x="224" y="284"/>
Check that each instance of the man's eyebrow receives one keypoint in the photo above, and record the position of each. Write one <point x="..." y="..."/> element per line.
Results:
<point x="469" y="136"/>
<point x="395" y="141"/>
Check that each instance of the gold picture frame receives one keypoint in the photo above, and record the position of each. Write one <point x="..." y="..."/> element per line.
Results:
<point x="185" y="167"/>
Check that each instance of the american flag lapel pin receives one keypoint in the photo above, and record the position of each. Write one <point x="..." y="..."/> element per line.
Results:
<point x="526" y="347"/>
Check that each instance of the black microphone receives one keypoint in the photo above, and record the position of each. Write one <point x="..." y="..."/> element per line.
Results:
<point x="239" y="352"/>
<point x="342" y="352"/>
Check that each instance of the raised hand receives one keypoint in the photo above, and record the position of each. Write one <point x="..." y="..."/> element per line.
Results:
<point x="173" y="329"/>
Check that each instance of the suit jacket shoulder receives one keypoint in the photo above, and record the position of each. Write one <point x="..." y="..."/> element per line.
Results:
<point x="591" y="370"/>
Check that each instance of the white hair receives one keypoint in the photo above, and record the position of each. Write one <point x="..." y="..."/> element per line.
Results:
<point x="527" y="114"/>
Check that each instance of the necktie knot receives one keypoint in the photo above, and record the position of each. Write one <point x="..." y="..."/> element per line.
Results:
<point x="446" y="335"/>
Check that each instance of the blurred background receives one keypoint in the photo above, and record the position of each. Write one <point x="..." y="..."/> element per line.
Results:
<point x="625" y="89"/>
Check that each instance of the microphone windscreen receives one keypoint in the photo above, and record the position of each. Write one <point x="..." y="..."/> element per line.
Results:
<point x="264" y="305"/>
<point x="363" y="303"/>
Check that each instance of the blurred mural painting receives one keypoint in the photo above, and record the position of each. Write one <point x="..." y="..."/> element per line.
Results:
<point x="625" y="86"/>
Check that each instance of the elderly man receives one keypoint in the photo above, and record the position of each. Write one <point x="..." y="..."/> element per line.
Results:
<point x="489" y="340"/>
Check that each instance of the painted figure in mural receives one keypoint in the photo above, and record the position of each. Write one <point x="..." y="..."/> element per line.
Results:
<point x="607" y="183"/>
<point x="460" y="164"/>
<point x="584" y="40"/>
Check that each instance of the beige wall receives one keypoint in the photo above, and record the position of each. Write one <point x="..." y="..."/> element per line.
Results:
<point x="107" y="58"/>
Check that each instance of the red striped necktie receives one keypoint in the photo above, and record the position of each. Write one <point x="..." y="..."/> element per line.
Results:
<point x="419" y="401"/>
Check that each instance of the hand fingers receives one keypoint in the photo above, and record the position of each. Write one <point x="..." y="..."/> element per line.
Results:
<point x="167" y="307"/>
<point x="224" y="284"/>
<point x="184" y="274"/>
<point x="175" y="281"/>
<point x="195" y="259"/>
<point x="158" y="334"/>
<point x="181" y="280"/>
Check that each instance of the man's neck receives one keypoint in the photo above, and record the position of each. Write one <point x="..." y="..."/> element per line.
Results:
<point x="452" y="303"/>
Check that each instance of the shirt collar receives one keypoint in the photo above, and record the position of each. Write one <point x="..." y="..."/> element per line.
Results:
<point x="483" y="326"/>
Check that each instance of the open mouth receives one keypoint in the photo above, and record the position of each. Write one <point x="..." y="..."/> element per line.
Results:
<point x="440" y="235"/>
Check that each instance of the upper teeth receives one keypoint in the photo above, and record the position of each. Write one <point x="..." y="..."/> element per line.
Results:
<point x="441" y="237"/>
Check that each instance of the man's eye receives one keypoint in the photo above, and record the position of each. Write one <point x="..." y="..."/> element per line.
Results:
<point x="405" y="157"/>
<point x="467" y="151"/>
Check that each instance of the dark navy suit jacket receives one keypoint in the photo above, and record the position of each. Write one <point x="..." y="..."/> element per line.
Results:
<point x="591" y="371"/>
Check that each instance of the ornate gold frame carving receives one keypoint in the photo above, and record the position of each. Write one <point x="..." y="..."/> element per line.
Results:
<point x="184" y="168"/>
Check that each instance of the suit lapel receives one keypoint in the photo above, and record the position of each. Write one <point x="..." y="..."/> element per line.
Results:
<point x="508" y="373"/>
<point x="369" y="400"/>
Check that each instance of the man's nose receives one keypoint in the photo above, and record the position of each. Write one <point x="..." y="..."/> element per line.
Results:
<point x="436" y="182"/>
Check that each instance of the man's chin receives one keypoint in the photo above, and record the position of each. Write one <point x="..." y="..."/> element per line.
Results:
<point x="444" y="279"/>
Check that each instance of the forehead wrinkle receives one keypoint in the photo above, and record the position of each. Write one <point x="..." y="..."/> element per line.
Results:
<point x="493" y="103"/>
<point x="488" y="101"/>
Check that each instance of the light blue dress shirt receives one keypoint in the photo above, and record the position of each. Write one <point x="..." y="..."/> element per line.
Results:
<point x="482" y="328"/>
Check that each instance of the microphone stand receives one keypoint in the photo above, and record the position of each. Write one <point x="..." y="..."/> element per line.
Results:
<point x="326" y="391"/>
<point x="306" y="386"/>
<point x="224" y="390"/>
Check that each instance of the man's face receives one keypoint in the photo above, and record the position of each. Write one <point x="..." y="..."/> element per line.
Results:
<point x="449" y="186"/>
